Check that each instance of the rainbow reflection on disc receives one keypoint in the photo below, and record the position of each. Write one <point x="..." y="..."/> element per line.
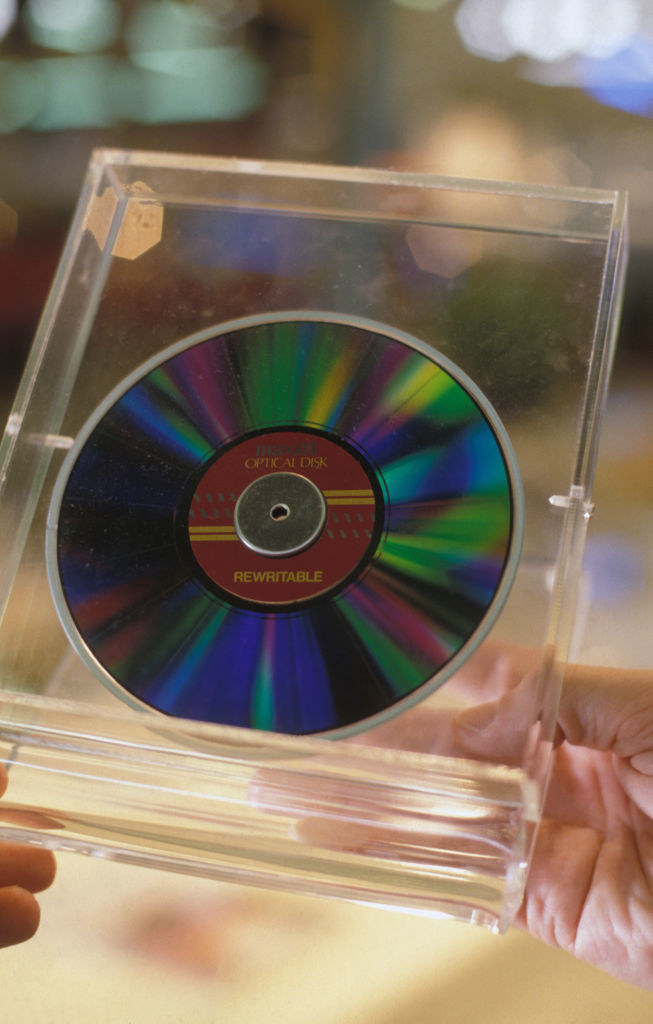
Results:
<point x="289" y="523"/>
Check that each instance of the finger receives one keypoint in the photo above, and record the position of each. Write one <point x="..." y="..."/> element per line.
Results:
<point x="30" y="868"/>
<point x="636" y="777"/>
<point x="499" y="730"/>
<point x="19" y="916"/>
<point x="566" y="854"/>
<point x="493" y="670"/>
<point x="493" y="673"/>
<point x="4" y="778"/>
<point x="601" y="708"/>
<point x="27" y="818"/>
<point x="608" y="709"/>
<point x="586" y="893"/>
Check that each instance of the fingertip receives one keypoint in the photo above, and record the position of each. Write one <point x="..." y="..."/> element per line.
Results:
<point x="28" y="867"/>
<point x="43" y="870"/>
<point x="20" y="916"/>
<point x="607" y="708"/>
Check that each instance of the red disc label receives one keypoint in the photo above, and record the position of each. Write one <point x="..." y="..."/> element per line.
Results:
<point x="348" y="537"/>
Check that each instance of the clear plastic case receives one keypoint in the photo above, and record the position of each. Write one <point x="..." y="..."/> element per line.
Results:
<point x="516" y="289"/>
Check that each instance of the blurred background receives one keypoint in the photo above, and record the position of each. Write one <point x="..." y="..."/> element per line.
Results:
<point x="555" y="93"/>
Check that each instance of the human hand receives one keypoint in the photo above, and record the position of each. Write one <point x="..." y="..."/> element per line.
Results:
<point x="590" y="887"/>
<point x="24" y="870"/>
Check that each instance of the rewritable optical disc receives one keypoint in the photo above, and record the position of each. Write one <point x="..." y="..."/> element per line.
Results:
<point x="295" y="522"/>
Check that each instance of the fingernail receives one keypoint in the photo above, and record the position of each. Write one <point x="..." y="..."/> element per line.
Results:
<point x="478" y="719"/>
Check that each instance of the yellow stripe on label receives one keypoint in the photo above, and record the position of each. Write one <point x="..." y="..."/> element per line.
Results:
<point x="212" y="529"/>
<point x="198" y="533"/>
<point x="213" y="536"/>
<point x="350" y="501"/>
<point x="366" y="493"/>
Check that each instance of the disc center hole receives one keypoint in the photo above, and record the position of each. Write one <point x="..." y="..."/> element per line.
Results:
<point x="279" y="512"/>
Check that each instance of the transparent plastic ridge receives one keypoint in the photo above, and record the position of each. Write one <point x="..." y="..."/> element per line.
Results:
<point x="519" y="287"/>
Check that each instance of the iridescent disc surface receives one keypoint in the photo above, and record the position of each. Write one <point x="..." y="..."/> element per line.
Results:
<point x="292" y="523"/>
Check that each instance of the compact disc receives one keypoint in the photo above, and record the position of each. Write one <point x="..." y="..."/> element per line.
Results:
<point x="293" y="522"/>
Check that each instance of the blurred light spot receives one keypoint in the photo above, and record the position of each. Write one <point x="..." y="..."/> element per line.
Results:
<point x="609" y="27"/>
<point x="223" y="83"/>
<point x="8" y="12"/>
<point x="625" y="81"/>
<point x="77" y="26"/>
<point x="614" y="568"/>
<point x="58" y="93"/>
<point x="537" y="31"/>
<point x="443" y="251"/>
<point x="475" y="140"/>
<point x="62" y="92"/>
<point x="560" y="28"/>
<point x="479" y="26"/>
<point x="22" y="94"/>
<point x="605" y="49"/>
<point x="549" y="32"/>
<point x="422" y="5"/>
<point x="191" y="77"/>
<point x="179" y="66"/>
<point x="166" y="25"/>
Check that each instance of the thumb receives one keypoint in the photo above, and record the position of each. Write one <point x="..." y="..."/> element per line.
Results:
<point x="499" y="729"/>
<point x="608" y="709"/>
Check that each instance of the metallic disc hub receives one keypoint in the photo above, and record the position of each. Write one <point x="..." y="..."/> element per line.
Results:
<point x="280" y="514"/>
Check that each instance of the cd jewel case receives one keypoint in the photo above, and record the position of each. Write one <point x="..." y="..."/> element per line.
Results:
<point x="292" y="484"/>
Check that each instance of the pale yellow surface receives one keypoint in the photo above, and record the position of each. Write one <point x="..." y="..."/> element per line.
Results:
<point x="247" y="957"/>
